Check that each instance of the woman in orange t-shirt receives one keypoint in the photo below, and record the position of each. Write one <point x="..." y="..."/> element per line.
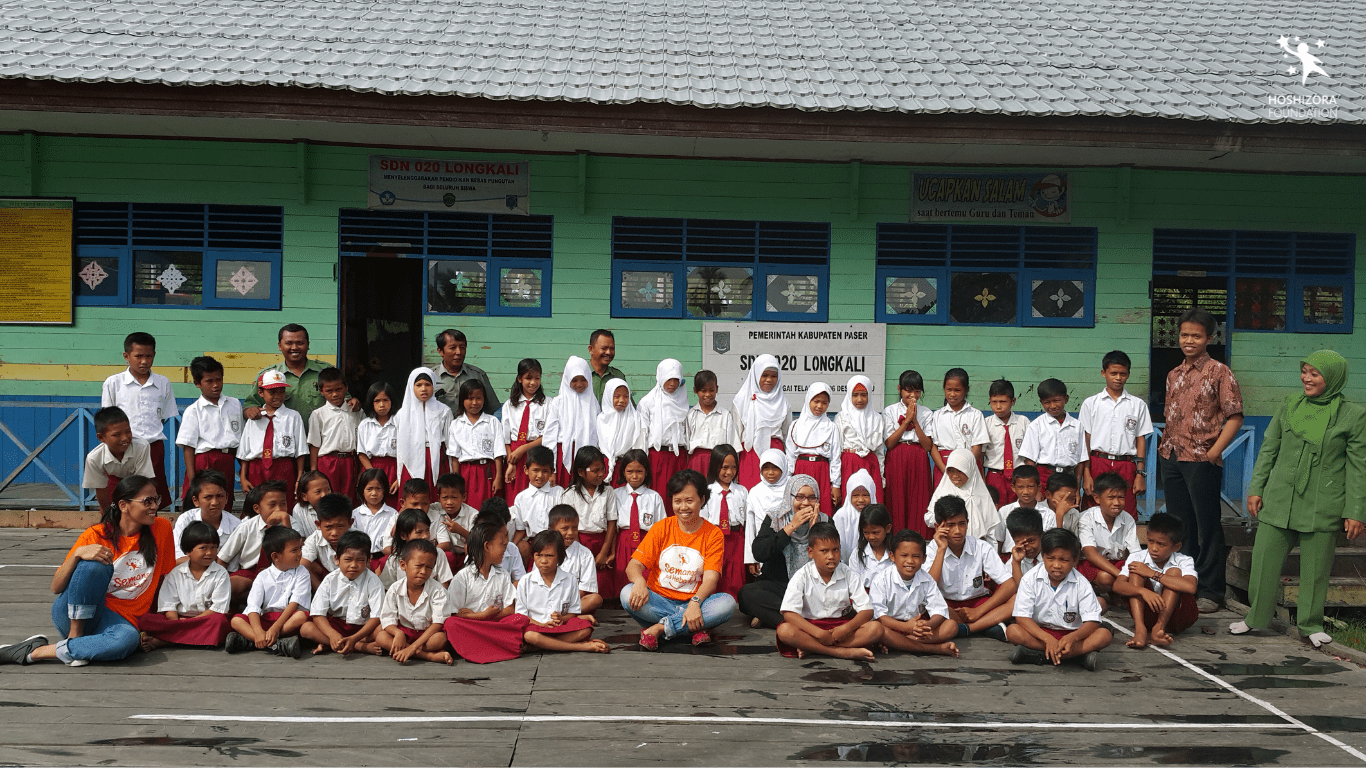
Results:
<point x="109" y="579"/>
<point x="676" y="570"/>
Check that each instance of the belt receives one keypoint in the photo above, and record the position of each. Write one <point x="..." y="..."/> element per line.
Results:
<point x="993" y="470"/>
<point x="222" y="451"/>
<point x="812" y="457"/>
<point x="672" y="448"/>
<point x="1114" y="457"/>
<point x="1055" y="468"/>
<point x="342" y="454"/>
<point x="477" y="462"/>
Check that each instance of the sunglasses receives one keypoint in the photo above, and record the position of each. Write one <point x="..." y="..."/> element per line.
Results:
<point x="149" y="501"/>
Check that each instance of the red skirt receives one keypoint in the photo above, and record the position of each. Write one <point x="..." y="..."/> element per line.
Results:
<point x="625" y="548"/>
<point x="700" y="460"/>
<point x="209" y="630"/>
<point x="1125" y="469"/>
<point x="342" y="473"/>
<point x="478" y="482"/>
<point x="790" y="652"/>
<point x="223" y="461"/>
<point x="1091" y="572"/>
<point x="997" y="479"/>
<point x="663" y="466"/>
<point x="851" y="462"/>
<point x="443" y="467"/>
<point x="820" y="470"/>
<point x="908" y="487"/>
<point x="519" y="479"/>
<point x="390" y="466"/>
<point x="572" y="625"/>
<point x="484" y="642"/>
<point x="1183" y="618"/>
<point x="564" y="477"/>
<point x="282" y="468"/>
<point x="749" y="464"/>
<point x="733" y="561"/>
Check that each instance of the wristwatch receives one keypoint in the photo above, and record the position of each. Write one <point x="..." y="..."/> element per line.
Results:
<point x="1142" y="472"/>
<point x="695" y="599"/>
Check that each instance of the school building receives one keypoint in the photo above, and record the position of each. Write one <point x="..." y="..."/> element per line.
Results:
<point x="1012" y="193"/>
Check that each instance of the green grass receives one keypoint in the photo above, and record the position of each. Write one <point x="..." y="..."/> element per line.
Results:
<point x="1347" y="626"/>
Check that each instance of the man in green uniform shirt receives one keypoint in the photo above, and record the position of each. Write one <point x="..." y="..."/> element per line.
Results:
<point x="602" y="348"/>
<point x="454" y="371"/>
<point x="301" y="374"/>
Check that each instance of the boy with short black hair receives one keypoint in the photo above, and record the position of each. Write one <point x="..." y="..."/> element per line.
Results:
<point x="818" y="602"/>
<point x="147" y="400"/>
<point x="1160" y="583"/>
<point x="908" y="603"/>
<point x="1054" y="441"/>
<point x="211" y="493"/>
<point x="1107" y="535"/>
<point x="451" y="518"/>
<point x="272" y="444"/>
<point x="244" y="553"/>
<point x="531" y="507"/>
<point x="345" y="609"/>
<point x="415" y="494"/>
<point x="1057" y="616"/>
<point x="280" y="595"/>
<point x="1024" y="483"/>
<point x="332" y="435"/>
<point x="193" y="600"/>
<point x="1116" y="424"/>
<point x="211" y="427"/>
<point x="578" y="559"/>
<point x="963" y="566"/>
<point x="1060" y="498"/>
<point x="708" y="425"/>
<point x="1024" y="529"/>
<point x="1006" y="431"/>
<point x="414" y="608"/>
<point x="320" y="548"/>
<point x="118" y="455"/>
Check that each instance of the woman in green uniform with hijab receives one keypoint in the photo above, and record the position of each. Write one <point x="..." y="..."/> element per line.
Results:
<point x="1309" y="483"/>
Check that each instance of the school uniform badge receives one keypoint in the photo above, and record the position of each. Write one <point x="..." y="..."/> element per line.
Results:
<point x="365" y="613"/>
<point x="1072" y="447"/>
<point x="977" y="581"/>
<point x="965" y="429"/>
<point x="1069" y="617"/>
<point x="286" y="441"/>
<point x="1131" y="425"/>
<point x="235" y="426"/>
<point x="486" y="445"/>
<point x="720" y="342"/>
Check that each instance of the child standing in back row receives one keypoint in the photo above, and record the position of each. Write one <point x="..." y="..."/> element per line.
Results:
<point x="272" y="444"/>
<point x="475" y="444"/>
<point x="860" y="425"/>
<point x="1006" y="431"/>
<point x="1054" y="441"/>
<point x="211" y="427"/>
<point x="146" y="398"/>
<point x="619" y="427"/>
<point x="1116" y="425"/>
<point x="664" y="423"/>
<point x="332" y="435"/>
<point x="957" y="424"/>
<point x="422" y="422"/>
<point x="762" y="414"/>
<point x="907" y="479"/>
<point x="377" y="436"/>
<point x="709" y="425"/>
<point x="524" y="416"/>
<point x="572" y="418"/>
<point x="814" y="448"/>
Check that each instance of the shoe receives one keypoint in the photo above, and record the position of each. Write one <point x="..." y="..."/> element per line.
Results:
<point x="1023" y="655"/>
<point x="754" y="623"/>
<point x="1206" y="605"/>
<point x="1090" y="661"/>
<point x="236" y="643"/>
<point x="648" y="641"/>
<point x="1320" y="639"/>
<point x="78" y="662"/>
<point x="288" y="646"/>
<point x="963" y="631"/>
<point x="701" y="638"/>
<point x="17" y="653"/>
<point x="1239" y="628"/>
<point x="996" y="632"/>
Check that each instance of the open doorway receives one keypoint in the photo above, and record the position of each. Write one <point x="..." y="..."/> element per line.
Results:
<point x="1172" y="296"/>
<point x="381" y="320"/>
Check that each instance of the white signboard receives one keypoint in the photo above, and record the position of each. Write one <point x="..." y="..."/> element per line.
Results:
<point x="807" y="353"/>
<point x="468" y="185"/>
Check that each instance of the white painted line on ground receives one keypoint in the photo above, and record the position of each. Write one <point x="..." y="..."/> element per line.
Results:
<point x="1249" y="697"/>
<point x="701" y="720"/>
<point x="51" y="567"/>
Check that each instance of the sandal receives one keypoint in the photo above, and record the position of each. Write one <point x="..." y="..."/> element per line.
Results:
<point x="701" y="638"/>
<point x="648" y="641"/>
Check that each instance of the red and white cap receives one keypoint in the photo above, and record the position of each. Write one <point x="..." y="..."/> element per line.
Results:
<point x="272" y="380"/>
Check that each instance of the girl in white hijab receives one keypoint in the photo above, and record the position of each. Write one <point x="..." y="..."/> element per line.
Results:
<point x="962" y="479"/>
<point x="422" y="424"/>
<point x="618" y="429"/>
<point x="766" y="499"/>
<point x="664" y="422"/>
<point x="813" y="446"/>
<point x="862" y="431"/>
<point x="763" y="415"/>
<point x="846" y="520"/>
<point x="571" y="422"/>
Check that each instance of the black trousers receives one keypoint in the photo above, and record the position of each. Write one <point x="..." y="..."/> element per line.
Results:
<point x="763" y="599"/>
<point x="1192" y="489"/>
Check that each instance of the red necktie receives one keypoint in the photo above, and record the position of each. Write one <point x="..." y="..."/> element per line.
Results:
<point x="268" y="444"/>
<point x="725" y="513"/>
<point x="526" y="422"/>
<point x="635" y="518"/>
<point x="1010" y="453"/>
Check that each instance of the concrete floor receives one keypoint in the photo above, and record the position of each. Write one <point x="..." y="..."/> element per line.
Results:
<point x="1215" y="700"/>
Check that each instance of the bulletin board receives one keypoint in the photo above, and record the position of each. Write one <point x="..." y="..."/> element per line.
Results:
<point x="36" y="261"/>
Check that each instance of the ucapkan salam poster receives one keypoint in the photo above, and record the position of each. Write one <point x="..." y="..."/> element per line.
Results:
<point x="1004" y="197"/>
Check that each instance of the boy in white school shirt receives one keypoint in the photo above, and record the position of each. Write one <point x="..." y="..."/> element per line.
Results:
<point x="1108" y="536"/>
<point x="414" y="608"/>
<point x="320" y="547"/>
<point x="193" y="601"/>
<point x="961" y="565"/>
<point x="708" y="425"/>
<point x="1057" y="616"/>
<point x="279" y="600"/>
<point x="1054" y="441"/>
<point x="451" y="519"/>
<point x="531" y="507"/>
<point x="147" y="399"/>
<point x="273" y="443"/>
<point x="211" y="427"/>
<point x="345" y="610"/>
<point x="819" y="601"/>
<point x="578" y="559"/>
<point x="118" y="455"/>
<point x="1160" y="584"/>
<point x="908" y="604"/>
<point x="332" y="445"/>
<point x="1007" y="432"/>
<point x="210" y="493"/>
<point x="1116" y="425"/>
<point x="244" y="553"/>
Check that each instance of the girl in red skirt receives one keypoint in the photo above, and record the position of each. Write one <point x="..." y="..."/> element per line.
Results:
<point x="638" y="508"/>
<point x="708" y="424"/>
<point x="664" y="424"/>
<point x="422" y="423"/>
<point x="813" y="446"/>
<point x="377" y="435"/>
<point x="548" y="597"/>
<point x="572" y="418"/>
<point x="907" y="476"/>
<point x="763" y="415"/>
<point x="474" y="442"/>
<point x="484" y="627"/>
<point x="193" y="599"/>
<point x="524" y="416"/>
<point x="596" y="504"/>
<point x="861" y="429"/>
<point x="313" y="486"/>
<point x="727" y="508"/>
<point x="618" y="427"/>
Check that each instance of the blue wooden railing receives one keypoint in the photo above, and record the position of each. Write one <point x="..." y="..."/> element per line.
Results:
<point x="1239" y="458"/>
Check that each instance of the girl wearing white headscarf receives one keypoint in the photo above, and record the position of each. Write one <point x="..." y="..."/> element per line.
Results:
<point x="765" y="499"/>
<point x="780" y="548"/>
<point x="422" y="425"/>
<point x="572" y="419"/>
<point x="861" y="433"/>
<point x="618" y="430"/>
<point x="846" y="520"/>
<point x="813" y="446"/>
<point x="763" y="414"/>
<point x="984" y="522"/>
<point x="664" y="423"/>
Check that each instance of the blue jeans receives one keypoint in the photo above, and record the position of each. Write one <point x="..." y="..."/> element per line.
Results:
<point x="658" y="609"/>
<point x="107" y="636"/>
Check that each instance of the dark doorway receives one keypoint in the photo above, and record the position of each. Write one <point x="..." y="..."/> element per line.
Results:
<point x="1173" y="295"/>
<point x="381" y="320"/>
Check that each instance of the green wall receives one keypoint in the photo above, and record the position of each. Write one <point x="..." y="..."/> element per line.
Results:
<point x="1124" y="205"/>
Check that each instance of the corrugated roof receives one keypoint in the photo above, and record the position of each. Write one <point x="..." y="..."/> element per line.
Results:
<point x="1186" y="59"/>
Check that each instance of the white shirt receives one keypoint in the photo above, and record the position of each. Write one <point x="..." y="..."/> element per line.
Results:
<point x="1053" y="443"/>
<point x="830" y="449"/>
<point x="1114" y="543"/>
<point x="962" y="576"/>
<point x="1067" y="607"/>
<point x="430" y="608"/>
<point x="512" y="420"/>
<point x="226" y="526"/>
<point x="737" y="505"/>
<point x="1071" y="520"/>
<point x="471" y="591"/>
<point x="375" y="524"/>
<point x="708" y="430"/>
<point x="353" y="601"/>
<point x="536" y="599"/>
<point x="594" y="513"/>
<point x="182" y="593"/>
<point x="436" y="529"/>
<point x="872" y="566"/>
<point x="207" y="426"/>
<point x="436" y="522"/>
<point x="1115" y="425"/>
<point x="374" y="439"/>
<point x="289" y="435"/>
<point x="904" y="600"/>
<point x="675" y="436"/>
<point x="100" y="464"/>
<point x="243" y="547"/>
<point x="1185" y="563"/>
<point x="391" y="573"/>
<point x="304" y="519"/>
<point x="815" y="598"/>
<point x="994" y="454"/>
<point x="332" y="428"/>
<point x="512" y="563"/>
<point x="318" y="550"/>
<point x="474" y="442"/>
<point x="579" y="561"/>
<point x="147" y="405"/>
<point x="963" y="428"/>
<point x="531" y="507"/>
<point x="891" y="417"/>
<point x="274" y="589"/>
<point x="853" y="440"/>
<point x="649" y="506"/>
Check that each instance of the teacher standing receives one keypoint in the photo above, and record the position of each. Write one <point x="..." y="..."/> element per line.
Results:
<point x="1309" y="483"/>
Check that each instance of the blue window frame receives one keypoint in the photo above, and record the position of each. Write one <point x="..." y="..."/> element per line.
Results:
<point x="1278" y="282"/>
<point x="177" y="255"/>
<point x="968" y="274"/>
<point x="475" y="264"/>
<point x="711" y="269"/>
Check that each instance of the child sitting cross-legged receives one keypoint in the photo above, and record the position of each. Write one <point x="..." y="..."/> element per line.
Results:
<point x="415" y="605"/>
<point x="484" y="627"/>
<point x="962" y="565"/>
<point x="908" y="604"/>
<point x="280" y="595"/>
<point x="1108" y="535"/>
<point x="1057" y="616"/>
<point x="548" y="596"/>
<point x="1159" y="583"/>
<point x="347" y="605"/>
<point x="412" y="524"/>
<point x="825" y="608"/>
<point x="244" y="554"/>
<point x="578" y="560"/>
<point x="334" y="521"/>
<point x="193" y="599"/>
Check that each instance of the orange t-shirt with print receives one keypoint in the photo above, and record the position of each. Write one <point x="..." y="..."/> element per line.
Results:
<point x="674" y="561"/>
<point x="134" y="585"/>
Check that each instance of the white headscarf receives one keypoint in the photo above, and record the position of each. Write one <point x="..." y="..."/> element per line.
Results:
<point x="983" y="519"/>
<point x="421" y="425"/>
<point x="795" y="553"/>
<point x="867" y="421"/>
<point x="767" y="498"/>
<point x="571" y="421"/>
<point x="846" y="519"/>
<point x="618" y="431"/>
<point x="761" y="413"/>
<point x="664" y="409"/>
<point x="811" y="431"/>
